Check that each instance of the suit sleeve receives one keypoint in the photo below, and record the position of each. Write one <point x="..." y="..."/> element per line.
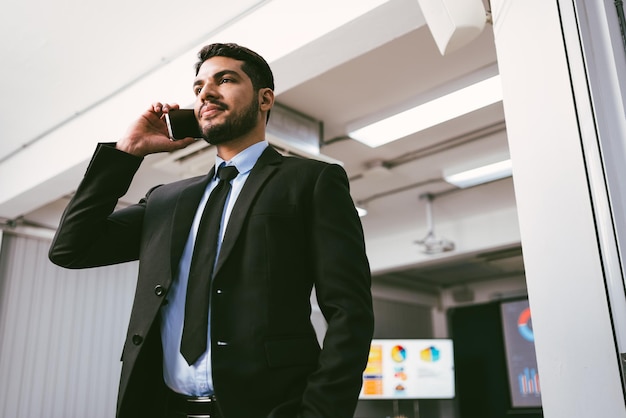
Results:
<point x="90" y="234"/>
<point x="343" y="288"/>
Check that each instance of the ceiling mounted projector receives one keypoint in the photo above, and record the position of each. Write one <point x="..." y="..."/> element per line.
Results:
<point x="431" y="244"/>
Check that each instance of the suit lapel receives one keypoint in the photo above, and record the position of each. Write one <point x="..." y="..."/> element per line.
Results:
<point x="260" y="173"/>
<point x="186" y="207"/>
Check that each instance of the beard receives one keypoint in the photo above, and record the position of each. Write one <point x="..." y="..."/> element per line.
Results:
<point x="233" y="127"/>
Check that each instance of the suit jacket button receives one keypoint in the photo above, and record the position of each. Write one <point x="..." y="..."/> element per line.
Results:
<point x="137" y="339"/>
<point x="159" y="290"/>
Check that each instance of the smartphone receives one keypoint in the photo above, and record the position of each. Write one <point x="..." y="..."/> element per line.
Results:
<point x="182" y="123"/>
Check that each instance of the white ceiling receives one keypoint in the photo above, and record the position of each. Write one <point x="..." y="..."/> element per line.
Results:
<point x="66" y="59"/>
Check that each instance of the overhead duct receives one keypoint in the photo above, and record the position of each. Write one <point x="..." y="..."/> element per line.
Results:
<point x="454" y="23"/>
<point x="431" y="244"/>
<point x="290" y="132"/>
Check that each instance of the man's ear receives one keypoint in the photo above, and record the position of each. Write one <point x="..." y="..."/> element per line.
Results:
<point x="266" y="99"/>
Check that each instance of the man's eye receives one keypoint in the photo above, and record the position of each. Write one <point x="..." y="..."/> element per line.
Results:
<point x="197" y="90"/>
<point x="226" y="80"/>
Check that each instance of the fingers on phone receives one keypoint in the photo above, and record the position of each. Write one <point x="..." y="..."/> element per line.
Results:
<point x="158" y="107"/>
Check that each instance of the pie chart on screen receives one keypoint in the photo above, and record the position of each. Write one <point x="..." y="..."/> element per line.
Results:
<point x="523" y="325"/>
<point x="430" y="354"/>
<point x="398" y="353"/>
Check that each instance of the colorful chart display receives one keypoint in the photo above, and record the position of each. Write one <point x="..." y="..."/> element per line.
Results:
<point x="409" y="369"/>
<point x="519" y="341"/>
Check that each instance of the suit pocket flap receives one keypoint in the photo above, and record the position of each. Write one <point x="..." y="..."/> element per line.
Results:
<point x="285" y="352"/>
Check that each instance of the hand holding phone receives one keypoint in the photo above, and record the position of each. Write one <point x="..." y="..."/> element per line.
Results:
<point x="182" y="123"/>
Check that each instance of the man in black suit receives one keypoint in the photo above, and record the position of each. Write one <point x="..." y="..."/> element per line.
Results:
<point x="288" y="224"/>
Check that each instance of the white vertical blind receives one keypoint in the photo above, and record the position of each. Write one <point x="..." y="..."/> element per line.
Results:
<point x="61" y="333"/>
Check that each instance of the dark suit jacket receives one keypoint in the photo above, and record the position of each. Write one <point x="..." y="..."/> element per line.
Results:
<point x="294" y="225"/>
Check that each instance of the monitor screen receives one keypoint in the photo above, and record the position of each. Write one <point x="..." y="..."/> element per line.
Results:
<point x="409" y="369"/>
<point x="519" y="343"/>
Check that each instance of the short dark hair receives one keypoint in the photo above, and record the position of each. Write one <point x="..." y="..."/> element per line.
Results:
<point x="253" y="65"/>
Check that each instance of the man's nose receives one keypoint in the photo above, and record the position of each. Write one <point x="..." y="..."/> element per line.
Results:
<point x="208" y="91"/>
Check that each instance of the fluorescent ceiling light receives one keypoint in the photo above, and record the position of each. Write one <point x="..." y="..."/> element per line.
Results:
<point x="439" y="110"/>
<point x="361" y="211"/>
<point x="480" y="175"/>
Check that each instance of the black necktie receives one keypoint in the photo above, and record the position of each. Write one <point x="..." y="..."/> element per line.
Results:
<point x="195" y="329"/>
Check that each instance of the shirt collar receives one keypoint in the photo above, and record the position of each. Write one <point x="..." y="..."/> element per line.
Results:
<point x="246" y="159"/>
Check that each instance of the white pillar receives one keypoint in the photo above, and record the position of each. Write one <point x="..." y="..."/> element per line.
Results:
<point x="567" y="250"/>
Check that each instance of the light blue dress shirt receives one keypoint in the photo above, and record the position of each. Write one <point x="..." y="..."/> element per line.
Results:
<point x="196" y="380"/>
